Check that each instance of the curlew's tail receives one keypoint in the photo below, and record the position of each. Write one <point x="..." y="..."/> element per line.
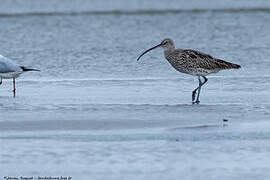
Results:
<point x="227" y="65"/>
<point x="28" y="69"/>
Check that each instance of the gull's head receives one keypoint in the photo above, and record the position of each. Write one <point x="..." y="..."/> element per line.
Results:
<point x="166" y="44"/>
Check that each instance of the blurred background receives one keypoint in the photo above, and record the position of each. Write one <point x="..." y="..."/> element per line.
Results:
<point x="94" y="111"/>
<point x="101" y="39"/>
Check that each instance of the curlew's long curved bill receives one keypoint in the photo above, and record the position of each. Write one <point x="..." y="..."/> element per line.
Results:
<point x="148" y="51"/>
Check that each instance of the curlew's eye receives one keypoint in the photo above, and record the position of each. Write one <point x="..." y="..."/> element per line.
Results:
<point x="165" y="42"/>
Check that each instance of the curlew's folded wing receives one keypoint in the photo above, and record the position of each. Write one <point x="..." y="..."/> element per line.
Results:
<point x="201" y="60"/>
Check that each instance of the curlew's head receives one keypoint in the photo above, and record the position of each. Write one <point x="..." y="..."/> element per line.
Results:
<point x="166" y="44"/>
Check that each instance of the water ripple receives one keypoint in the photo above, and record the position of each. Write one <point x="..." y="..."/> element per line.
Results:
<point x="138" y="12"/>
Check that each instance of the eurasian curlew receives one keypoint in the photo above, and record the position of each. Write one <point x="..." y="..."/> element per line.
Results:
<point x="192" y="62"/>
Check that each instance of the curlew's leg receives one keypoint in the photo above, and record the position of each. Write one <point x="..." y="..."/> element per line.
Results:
<point x="194" y="93"/>
<point x="195" y="90"/>
<point x="199" y="90"/>
<point x="14" y="88"/>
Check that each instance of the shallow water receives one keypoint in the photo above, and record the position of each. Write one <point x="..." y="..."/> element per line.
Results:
<point x="94" y="111"/>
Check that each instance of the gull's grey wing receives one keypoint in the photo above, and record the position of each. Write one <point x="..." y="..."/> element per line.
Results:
<point x="7" y="66"/>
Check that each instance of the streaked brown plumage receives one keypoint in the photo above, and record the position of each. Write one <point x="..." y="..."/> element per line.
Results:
<point x="192" y="62"/>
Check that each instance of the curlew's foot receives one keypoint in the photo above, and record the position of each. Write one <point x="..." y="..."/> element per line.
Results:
<point x="196" y="102"/>
<point x="193" y="95"/>
<point x="14" y="93"/>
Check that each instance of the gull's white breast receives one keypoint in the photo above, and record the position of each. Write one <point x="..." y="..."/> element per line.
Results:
<point x="9" y="69"/>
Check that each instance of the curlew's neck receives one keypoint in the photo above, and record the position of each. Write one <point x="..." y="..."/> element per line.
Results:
<point x="168" y="50"/>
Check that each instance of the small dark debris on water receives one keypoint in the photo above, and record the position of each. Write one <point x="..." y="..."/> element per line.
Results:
<point x="176" y="140"/>
<point x="225" y="120"/>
